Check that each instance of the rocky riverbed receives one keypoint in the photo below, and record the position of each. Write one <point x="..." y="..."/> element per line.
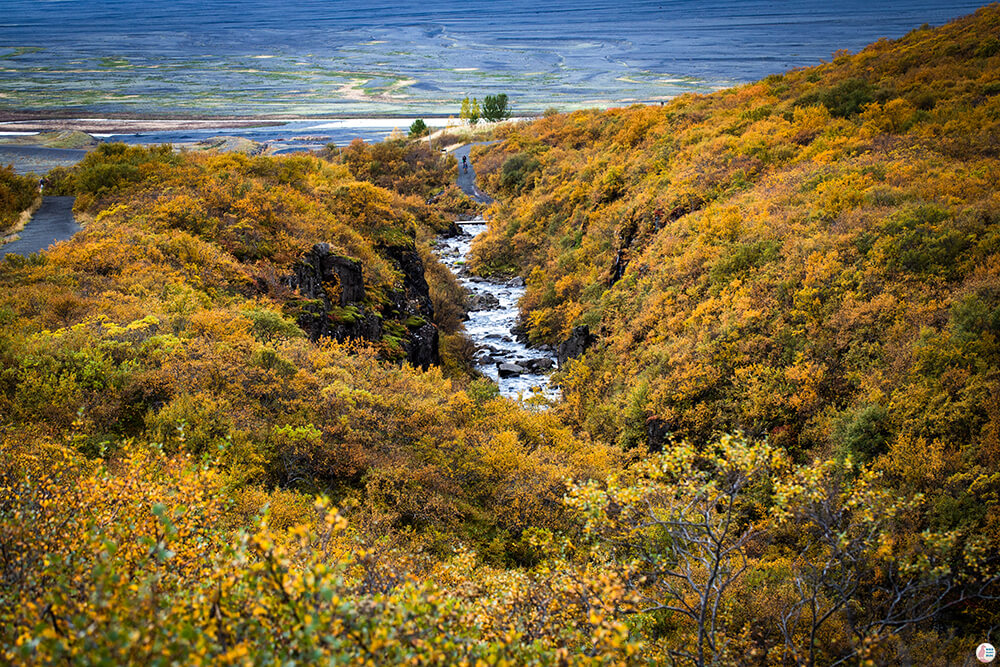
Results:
<point x="518" y="370"/>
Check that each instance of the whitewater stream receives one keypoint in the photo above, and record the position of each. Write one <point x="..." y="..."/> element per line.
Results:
<point x="492" y="318"/>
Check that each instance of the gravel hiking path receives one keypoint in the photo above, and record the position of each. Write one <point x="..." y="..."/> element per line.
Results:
<point x="52" y="222"/>
<point x="467" y="177"/>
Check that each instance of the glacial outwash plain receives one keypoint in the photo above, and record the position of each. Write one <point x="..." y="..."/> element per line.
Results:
<point x="248" y="415"/>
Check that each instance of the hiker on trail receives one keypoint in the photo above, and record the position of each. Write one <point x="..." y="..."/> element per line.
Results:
<point x="41" y="184"/>
<point x="465" y="164"/>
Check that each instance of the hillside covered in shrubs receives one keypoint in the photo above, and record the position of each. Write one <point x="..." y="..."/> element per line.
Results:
<point x="812" y="258"/>
<point x="238" y="422"/>
<point x="17" y="194"/>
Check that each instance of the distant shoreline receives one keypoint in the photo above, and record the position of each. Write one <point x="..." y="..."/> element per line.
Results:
<point x="14" y="115"/>
<point x="128" y="126"/>
<point x="128" y="123"/>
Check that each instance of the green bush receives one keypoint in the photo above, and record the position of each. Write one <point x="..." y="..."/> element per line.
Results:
<point x="864" y="434"/>
<point x="977" y="315"/>
<point x="515" y="175"/>
<point x="418" y="128"/>
<point x="269" y="325"/>
<point x="495" y="108"/>
<point x="742" y="258"/>
<point x="846" y="99"/>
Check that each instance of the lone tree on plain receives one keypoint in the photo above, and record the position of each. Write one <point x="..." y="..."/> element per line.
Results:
<point x="495" y="107"/>
<point x="418" y="128"/>
<point x="470" y="110"/>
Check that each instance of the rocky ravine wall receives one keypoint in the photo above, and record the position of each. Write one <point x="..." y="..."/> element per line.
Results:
<point x="335" y="290"/>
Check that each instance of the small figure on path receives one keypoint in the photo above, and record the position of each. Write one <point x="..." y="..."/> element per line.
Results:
<point x="42" y="182"/>
<point x="465" y="163"/>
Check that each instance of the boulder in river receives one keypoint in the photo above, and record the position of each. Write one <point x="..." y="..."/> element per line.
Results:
<point x="520" y="331"/>
<point x="539" y="364"/>
<point x="509" y="370"/>
<point x="482" y="301"/>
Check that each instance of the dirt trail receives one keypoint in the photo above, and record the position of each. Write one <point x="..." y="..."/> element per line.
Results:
<point x="52" y="222"/>
<point x="467" y="177"/>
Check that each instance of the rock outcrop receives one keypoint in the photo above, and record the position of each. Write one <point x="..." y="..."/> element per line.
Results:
<point x="322" y="274"/>
<point x="413" y="304"/>
<point x="577" y="343"/>
<point x="334" y="307"/>
<point x="334" y="288"/>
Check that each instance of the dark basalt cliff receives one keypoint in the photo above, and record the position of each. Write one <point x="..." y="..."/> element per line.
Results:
<point x="577" y="343"/>
<point x="335" y="306"/>
<point x="413" y="303"/>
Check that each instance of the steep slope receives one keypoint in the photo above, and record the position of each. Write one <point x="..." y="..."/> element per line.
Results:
<point x="261" y="311"/>
<point x="812" y="258"/>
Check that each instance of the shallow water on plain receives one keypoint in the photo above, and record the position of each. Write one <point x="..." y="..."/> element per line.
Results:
<point x="338" y="58"/>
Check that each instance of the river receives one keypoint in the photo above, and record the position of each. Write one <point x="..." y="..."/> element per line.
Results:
<point x="491" y="323"/>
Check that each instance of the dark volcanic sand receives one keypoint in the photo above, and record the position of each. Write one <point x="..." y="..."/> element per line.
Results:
<point x="38" y="159"/>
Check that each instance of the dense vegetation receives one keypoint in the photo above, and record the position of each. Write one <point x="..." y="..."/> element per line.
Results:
<point x="205" y="458"/>
<point x="17" y="194"/>
<point x="812" y="258"/>
<point x="155" y="361"/>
